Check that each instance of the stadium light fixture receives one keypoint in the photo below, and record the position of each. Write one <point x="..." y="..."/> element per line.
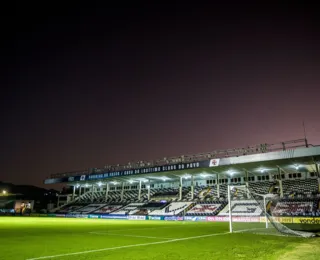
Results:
<point x="4" y="192"/>
<point x="231" y="172"/>
<point x="130" y="181"/>
<point x="262" y="170"/>
<point x="297" y="167"/>
<point x="99" y="183"/>
<point x="77" y="186"/>
<point x="86" y="185"/>
<point x="203" y="175"/>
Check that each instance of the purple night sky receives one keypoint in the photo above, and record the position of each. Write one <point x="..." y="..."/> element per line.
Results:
<point x="85" y="86"/>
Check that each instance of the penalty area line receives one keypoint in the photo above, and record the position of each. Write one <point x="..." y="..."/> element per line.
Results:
<point x="127" y="246"/>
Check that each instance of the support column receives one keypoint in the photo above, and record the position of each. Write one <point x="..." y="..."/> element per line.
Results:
<point x="247" y="183"/>
<point x="280" y="182"/>
<point x="149" y="187"/>
<point x="318" y="175"/>
<point x="218" y="185"/>
<point x="122" y="191"/>
<point x="74" y="192"/>
<point x="79" y="190"/>
<point x="92" y="191"/>
<point x="139" y="194"/>
<point x="107" y="191"/>
<point x="192" y="187"/>
<point x="58" y="201"/>
<point x="180" y="189"/>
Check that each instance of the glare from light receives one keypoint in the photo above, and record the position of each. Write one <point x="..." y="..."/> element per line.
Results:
<point x="4" y="192"/>
<point x="99" y="183"/>
<point x="77" y="186"/>
<point x="231" y="172"/>
<point x="87" y="185"/>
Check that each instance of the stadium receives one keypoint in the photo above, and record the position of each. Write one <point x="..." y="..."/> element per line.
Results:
<point x="257" y="202"/>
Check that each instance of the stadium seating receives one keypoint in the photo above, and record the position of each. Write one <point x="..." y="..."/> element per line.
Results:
<point x="242" y="208"/>
<point x="307" y="187"/>
<point x="87" y="209"/>
<point x="130" y="209"/>
<point x="175" y="208"/>
<point x="296" y="207"/>
<point x="206" y="209"/>
<point x="107" y="209"/>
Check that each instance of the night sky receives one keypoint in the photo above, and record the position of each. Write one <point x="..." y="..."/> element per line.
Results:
<point x="86" y="86"/>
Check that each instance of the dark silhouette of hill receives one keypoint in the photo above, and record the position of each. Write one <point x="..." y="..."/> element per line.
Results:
<point x="27" y="191"/>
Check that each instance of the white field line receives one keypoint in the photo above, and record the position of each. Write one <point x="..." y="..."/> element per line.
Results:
<point x="124" y="235"/>
<point x="127" y="246"/>
<point x="260" y="233"/>
<point x="133" y="229"/>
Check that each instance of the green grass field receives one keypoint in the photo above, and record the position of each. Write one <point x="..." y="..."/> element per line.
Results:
<point x="78" y="239"/>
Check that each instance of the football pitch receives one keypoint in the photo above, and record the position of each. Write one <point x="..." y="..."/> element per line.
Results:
<point x="31" y="238"/>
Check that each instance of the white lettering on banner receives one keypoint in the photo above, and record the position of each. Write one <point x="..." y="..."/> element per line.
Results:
<point x="234" y="219"/>
<point x="214" y="162"/>
<point x="136" y="217"/>
<point x="174" y="167"/>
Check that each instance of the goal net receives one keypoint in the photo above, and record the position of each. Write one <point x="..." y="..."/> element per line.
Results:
<point x="251" y="212"/>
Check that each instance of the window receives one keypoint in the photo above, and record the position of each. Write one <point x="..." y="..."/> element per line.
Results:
<point x="294" y="175"/>
<point x="299" y="175"/>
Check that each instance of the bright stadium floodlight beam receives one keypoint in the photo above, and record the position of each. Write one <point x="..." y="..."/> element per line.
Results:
<point x="4" y="192"/>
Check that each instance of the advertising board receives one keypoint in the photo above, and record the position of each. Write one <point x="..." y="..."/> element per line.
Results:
<point x="133" y="217"/>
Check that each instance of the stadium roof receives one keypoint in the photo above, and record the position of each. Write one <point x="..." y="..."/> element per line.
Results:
<point x="291" y="157"/>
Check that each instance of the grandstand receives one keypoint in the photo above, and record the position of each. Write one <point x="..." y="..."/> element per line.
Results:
<point x="197" y="185"/>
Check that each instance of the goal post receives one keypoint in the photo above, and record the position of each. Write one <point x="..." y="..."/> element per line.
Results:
<point x="248" y="211"/>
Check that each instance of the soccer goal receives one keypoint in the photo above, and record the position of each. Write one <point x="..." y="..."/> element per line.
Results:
<point x="251" y="212"/>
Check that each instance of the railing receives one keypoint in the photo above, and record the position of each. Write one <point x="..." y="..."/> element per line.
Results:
<point x="261" y="148"/>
